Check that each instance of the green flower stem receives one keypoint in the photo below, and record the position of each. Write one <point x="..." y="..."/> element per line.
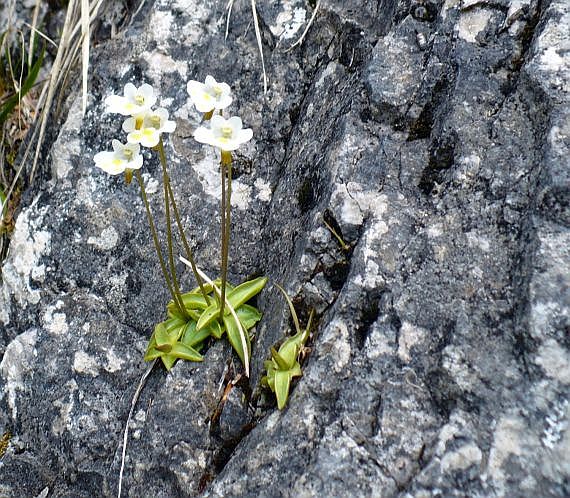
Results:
<point x="226" y="222"/>
<point x="155" y="240"/>
<point x="189" y="255"/>
<point x="166" y="181"/>
<point x="223" y="233"/>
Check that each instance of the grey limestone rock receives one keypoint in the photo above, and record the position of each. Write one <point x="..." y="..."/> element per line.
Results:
<point x="434" y="137"/>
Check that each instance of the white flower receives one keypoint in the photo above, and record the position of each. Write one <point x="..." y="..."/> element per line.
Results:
<point x="146" y="128"/>
<point x="124" y="156"/>
<point x="227" y="134"/>
<point x="135" y="101"/>
<point x="209" y="95"/>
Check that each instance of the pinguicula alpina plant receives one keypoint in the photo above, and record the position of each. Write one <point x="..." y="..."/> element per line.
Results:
<point x="284" y="364"/>
<point x="214" y="307"/>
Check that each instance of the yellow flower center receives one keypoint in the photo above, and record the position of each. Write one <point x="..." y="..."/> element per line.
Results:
<point x="138" y="123"/>
<point x="139" y="99"/>
<point x="227" y="131"/>
<point x="217" y="92"/>
<point x="155" y="121"/>
<point x="128" y="153"/>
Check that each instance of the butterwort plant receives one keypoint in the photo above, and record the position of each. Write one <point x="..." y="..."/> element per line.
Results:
<point x="214" y="307"/>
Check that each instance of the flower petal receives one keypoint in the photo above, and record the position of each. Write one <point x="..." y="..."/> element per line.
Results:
<point x="194" y="87"/>
<point x="210" y="81"/>
<point x="113" y="103"/>
<point x="204" y="135"/>
<point x="146" y="91"/>
<point x="134" y="148"/>
<point x="244" y="135"/>
<point x="217" y="121"/>
<point x="117" y="145"/>
<point x="205" y="104"/>
<point x="134" y="137"/>
<point x="129" y="125"/>
<point x="130" y="91"/>
<point x="224" y="101"/>
<point x="236" y="124"/>
<point x="109" y="163"/>
<point x="168" y="127"/>
<point x="149" y="137"/>
<point x="162" y="113"/>
<point x="136" y="163"/>
<point x="225" y="88"/>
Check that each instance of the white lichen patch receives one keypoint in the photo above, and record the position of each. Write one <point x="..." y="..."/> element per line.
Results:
<point x="356" y="202"/>
<point x="28" y="245"/>
<point x="378" y="343"/>
<point x="410" y="335"/>
<point x="551" y="60"/>
<point x="151" y="184"/>
<point x="290" y="20"/>
<point x="263" y="190"/>
<point x="455" y="363"/>
<point x="86" y="186"/>
<point x="241" y="195"/>
<point x="160" y="64"/>
<point x="336" y="344"/>
<point x="208" y="174"/>
<point x="84" y="363"/>
<point x="462" y="459"/>
<point x="506" y="442"/>
<point x="67" y="144"/>
<point x="106" y="241"/>
<point x="472" y="22"/>
<point x="17" y="360"/>
<point x="356" y="205"/>
<point x="166" y="26"/>
<point x="161" y="22"/>
<point x="55" y="323"/>
<point x="114" y="362"/>
<point x="555" y="360"/>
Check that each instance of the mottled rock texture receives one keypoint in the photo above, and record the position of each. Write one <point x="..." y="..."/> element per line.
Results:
<point x="434" y="136"/>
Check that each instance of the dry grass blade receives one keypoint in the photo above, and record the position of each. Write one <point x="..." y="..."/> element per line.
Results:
<point x="57" y="66"/>
<point x="242" y="332"/>
<point x="137" y="11"/>
<point x="302" y="37"/>
<point x="43" y="35"/>
<point x="33" y="32"/>
<point x="65" y="57"/>
<point x="84" y="52"/>
<point x="229" y="14"/>
<point x="71" y="56"/>
<point x="136" y="396"/>
<point x="259" y="44"/>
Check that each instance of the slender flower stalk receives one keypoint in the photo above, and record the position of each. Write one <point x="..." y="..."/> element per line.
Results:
<point x="189" y="255"/>
<point x="227" y="135"/>
<point x="157" y="243"/>
<point x="166" y="182"/>
<point x="168" y="200"/>
<point x="226" y="164"/>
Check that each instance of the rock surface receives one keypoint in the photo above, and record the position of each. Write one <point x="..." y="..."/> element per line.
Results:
<point x="434" y="136"/>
